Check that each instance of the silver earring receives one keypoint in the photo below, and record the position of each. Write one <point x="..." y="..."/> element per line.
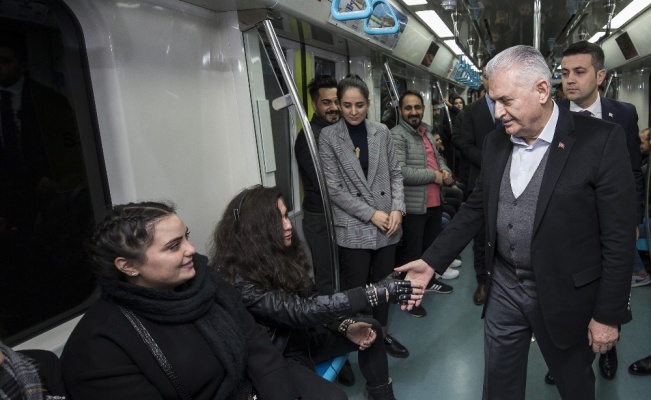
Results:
<point x="134" y="273"/>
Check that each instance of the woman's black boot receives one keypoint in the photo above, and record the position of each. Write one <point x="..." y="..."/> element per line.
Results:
<point x="382" y="392"/>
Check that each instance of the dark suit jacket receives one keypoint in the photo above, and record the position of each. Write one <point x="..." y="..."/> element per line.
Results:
<point x="477" y="122"/>
<point x="583" y="227"/>
<point x="625" y="115"/>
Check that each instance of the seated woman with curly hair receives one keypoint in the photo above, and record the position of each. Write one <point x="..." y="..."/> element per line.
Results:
<point x="255" y="248"/>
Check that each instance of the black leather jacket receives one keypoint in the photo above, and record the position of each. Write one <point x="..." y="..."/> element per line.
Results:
<point x="289" y="314"/>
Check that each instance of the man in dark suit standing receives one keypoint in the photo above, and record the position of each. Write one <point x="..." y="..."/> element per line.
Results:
<point x="477" y="121"/>
<point x="557" y="200"/>
<point x="582" y="72"/>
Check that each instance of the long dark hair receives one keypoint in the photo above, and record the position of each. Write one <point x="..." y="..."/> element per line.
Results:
<point x="126" y="231"/>
<point x="248" y="241"/>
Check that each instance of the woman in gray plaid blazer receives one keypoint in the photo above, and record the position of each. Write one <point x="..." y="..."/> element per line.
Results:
<point x="365" y="185"/>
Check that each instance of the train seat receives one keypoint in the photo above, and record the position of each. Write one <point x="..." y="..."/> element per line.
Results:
<point x="330" y="368"/>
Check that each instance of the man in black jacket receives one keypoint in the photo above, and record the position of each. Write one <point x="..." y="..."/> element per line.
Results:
<point x="582" y="71"/>
<point x="323" y="91"/>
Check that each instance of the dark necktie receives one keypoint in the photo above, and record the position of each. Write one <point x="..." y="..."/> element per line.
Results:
<point x="586" y="112"/>
<point x="9" y="129"/>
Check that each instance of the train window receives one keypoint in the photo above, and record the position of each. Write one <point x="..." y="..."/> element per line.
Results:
<point x="50" y="174"/>
<point x="324" y="67"/>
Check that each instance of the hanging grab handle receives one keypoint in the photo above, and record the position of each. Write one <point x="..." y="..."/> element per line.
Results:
<point x="346" y="16"/>
<point x="382" y="30"/>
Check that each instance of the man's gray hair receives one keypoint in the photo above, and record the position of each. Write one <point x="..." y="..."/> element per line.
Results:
<point x="529" y="65"/>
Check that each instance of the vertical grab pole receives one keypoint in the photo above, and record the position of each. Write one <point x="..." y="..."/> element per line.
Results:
<point x="536" y="24"/>
<point x="647" y="229"/>
<point x="309" y="135"/>
<point x="392" y="82"/>
<point x="447" y="111"/>
<point x="393" y="89"/>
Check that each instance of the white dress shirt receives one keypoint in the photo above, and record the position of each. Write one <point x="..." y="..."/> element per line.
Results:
<point x="525" y="159"/>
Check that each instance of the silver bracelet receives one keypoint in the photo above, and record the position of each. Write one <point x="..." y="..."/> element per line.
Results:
<point x="371" y="295"/>
<point x="343" y="328"/>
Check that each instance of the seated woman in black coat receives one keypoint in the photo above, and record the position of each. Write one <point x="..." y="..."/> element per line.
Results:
<point x="154" y="284"/>
<point x="255" y="247"/>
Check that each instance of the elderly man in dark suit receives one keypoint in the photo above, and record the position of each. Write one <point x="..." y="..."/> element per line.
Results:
<point x="582" y="71"/>
<point x="557" y="198"/>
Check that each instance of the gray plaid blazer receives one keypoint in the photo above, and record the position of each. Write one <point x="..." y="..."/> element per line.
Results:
<point x="355" y="198"/>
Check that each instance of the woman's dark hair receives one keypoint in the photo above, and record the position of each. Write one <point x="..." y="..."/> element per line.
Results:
<point x="126" y="231"/>
<point x="352" y="81"/>
<point x="248" y="241"/>
<point x="455" y="97"/>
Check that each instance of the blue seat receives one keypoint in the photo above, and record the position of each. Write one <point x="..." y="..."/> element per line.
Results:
<point x="330" y="368"/>
<point x="642" y="244"/>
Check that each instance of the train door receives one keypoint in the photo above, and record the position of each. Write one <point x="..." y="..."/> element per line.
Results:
<point x="274" y="126"/>
<point x="276" y="107"/>
<point x="52" y="178"/>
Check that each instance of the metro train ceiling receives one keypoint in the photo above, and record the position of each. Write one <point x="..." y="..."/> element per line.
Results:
<point x="488" y="26"/>
<point x="485" y="27"/>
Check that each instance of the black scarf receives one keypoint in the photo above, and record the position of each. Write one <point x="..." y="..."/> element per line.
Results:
<point x="205" y="301"/>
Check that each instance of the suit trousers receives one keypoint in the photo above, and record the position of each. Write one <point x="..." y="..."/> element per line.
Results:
<point x="361" y="266"/>
<point x="316" y="235"/>
<point x="510" y="319"/>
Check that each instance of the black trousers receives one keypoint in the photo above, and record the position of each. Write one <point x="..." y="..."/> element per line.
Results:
<point x="419" y="232"/>
<point x="361" y="266"/>
<point x="316" y="235"/>
<point x="326" y="344"/>
<point x="511" y="317"/>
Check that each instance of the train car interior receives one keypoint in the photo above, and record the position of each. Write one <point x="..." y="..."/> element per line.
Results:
<point x="194" y="100"/>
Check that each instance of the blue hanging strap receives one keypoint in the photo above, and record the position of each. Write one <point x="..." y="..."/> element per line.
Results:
<point x="345" y="16"/>
<point x="382" y="30"/>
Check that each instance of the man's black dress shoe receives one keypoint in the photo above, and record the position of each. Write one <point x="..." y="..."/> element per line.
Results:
<point x="394" y="348"/>
<point x="608" y="363"/>
<point x="418" y="311"/>
<point x="346" y="376"/>
<point x="641" y="367"/>
<point x="549" y="378"/>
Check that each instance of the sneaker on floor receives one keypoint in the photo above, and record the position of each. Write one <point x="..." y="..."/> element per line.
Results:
<point x="436" y="286"/>
<point x="456" y="263"/>
<point x="448" y="274"/>
<point x="637" y="280"/>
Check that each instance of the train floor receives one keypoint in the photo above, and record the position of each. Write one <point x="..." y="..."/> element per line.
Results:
<point x="446" y="350"/>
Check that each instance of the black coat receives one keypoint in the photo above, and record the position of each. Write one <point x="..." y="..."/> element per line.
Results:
<point x="106" y="359"/>
<point x="625" y="115"/>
